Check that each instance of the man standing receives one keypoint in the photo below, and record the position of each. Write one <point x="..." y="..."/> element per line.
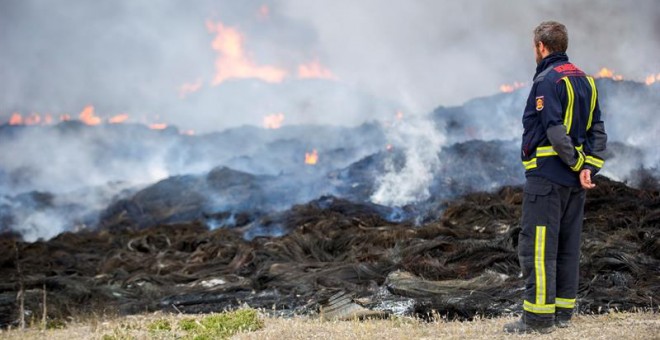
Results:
<point x="562" y="146"/>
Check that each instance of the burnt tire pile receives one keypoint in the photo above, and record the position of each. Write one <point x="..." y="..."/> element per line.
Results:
<point x="461" y="265"/>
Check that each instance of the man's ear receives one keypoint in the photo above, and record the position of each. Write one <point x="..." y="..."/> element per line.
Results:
<point x="541" y="47"/>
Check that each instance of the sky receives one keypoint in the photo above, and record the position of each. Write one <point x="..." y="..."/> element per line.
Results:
<point x="210" y="65"/>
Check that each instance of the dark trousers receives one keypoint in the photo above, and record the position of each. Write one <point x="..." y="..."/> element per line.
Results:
<point x="549" y="249"/>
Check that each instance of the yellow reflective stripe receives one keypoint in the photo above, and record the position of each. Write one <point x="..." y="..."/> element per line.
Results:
<point x="564" y="303"/>
<point x="568" y="117"/>
<point x="594" y="95"/>
<point x="580" y="162"/>
<point x="530" y="164"/>
<point x="539" y="264"/>
<point x="538" y="308"/>
<point x="597" y="162"/>
<point x="545" y="151"/>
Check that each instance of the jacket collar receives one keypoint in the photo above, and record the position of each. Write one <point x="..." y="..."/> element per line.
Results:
<point x="549" y="60"/>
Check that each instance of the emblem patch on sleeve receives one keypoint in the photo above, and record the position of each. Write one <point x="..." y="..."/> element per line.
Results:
<point x="539" y="103"/>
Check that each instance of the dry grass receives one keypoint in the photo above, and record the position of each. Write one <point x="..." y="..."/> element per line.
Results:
<point x="152" y="326"/>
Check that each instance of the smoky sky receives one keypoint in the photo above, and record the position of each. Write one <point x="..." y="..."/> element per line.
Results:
<point x="132" y="56"/>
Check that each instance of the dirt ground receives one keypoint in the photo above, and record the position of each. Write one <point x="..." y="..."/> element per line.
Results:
<point x="610" y="326"/>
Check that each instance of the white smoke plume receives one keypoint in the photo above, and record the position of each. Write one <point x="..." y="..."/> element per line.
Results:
<point x="420" y="142"/>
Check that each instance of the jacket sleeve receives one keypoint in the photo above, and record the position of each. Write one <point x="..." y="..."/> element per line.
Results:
<point x="552" y="118"/>
<point x="597" y="140"/>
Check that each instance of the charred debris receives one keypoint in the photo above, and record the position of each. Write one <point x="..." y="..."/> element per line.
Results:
<point x="458" y="265"/>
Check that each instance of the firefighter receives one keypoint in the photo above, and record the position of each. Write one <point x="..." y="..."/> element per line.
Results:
<point x="562" y="149"/>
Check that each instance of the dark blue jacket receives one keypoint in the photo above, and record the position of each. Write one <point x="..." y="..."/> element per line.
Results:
<point x="563" y="130"/>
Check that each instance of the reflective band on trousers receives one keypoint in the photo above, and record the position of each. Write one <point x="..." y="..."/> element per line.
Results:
<point x="539" y="264"/>
<point x="568" y="117"/>
<point x="538" y="308"/>
<point x="594" y="97"/>
<point x="564" y="303"/>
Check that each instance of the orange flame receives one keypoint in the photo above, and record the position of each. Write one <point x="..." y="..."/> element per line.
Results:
<point x="118" y="119"/>
<point x="507" y="88"/>
<point x="607" y="73"/>
<point x="188" y="88"/>
<point x="158" y="126"/>
<point x="311" y="158"/>
<point x="32" y="119"/>
<point x="314" y="69"/>
<point x="65" y="117"/>
<point x="273" y="121"/>
<point x="188" y="132"/>
<point x="652" y="79"/>
<point x="232" y="61"/>
<point x="16" y="119"/>
<point x="87" y="116"/>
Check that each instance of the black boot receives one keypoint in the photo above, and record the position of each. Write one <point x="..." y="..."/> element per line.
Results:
<point x="562" y="323"/>
<point x="563" y="318"/>
<point x="519" y="326"/>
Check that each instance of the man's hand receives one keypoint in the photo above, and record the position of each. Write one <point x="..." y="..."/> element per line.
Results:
<point x="585" y="179"/>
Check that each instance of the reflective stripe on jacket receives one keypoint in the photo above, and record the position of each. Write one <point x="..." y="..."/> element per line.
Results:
<point x="563" y="129"/>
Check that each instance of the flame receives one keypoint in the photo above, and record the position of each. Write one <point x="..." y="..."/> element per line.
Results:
<point x="607" y="73"/>
<point x="65" y="117"/>
<point x="188" y="132"/>
<point x="232" y="61"/>
<point x="87" y="116"/>
<point x="507" y="88"/>
<point x="264" y="12"/>
<point x="16" y="119"/>
<point x="118" y="119"/>
<point x="311" y="158"/>
<point x="188" y="88"/>
<point x="273" y="121"/>
<point x="314" y="69"/>
<point x="33" y="119"/>
<point x="399" y="115"/>
<point x="158" y="126"/>
<point x="652" y="79"/>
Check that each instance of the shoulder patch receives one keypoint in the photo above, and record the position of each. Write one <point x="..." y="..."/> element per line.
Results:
<point x="539" y="103"/>
<point x="569" y="70"/>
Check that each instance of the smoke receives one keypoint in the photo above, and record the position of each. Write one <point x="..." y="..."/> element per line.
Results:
<point x="134" y="57"/>
<point x="58" y="178"/>
<point x="427" y="52"/>
<point x="344" y="63"/>
<point x="71" y="157"/>
<point x="420" y="142"/>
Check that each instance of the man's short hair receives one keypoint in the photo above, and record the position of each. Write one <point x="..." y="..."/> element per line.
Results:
<point x="553" y="35"/>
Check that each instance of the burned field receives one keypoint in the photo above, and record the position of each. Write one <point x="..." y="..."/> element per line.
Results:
<point x="236" y="217"/>
<point x="461" y="264"/>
